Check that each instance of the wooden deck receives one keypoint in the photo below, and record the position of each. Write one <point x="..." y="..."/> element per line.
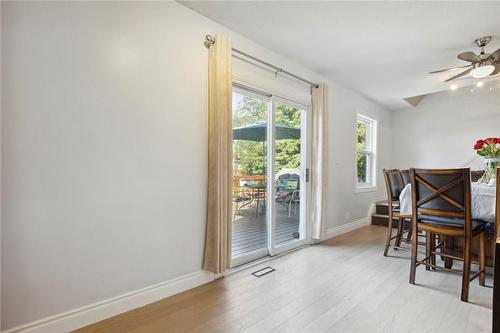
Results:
<point x="250" y="233"/>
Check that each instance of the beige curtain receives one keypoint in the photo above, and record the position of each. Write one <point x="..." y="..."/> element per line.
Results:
<point x="319" y="159"/>
<point x="218" y="231"/>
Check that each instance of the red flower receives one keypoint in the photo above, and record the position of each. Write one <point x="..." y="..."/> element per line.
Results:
<point x="497" y="140"/>
<point x="479" y="144"/>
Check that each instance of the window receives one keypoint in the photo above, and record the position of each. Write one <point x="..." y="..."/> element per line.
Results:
<point x="366" y="144"/>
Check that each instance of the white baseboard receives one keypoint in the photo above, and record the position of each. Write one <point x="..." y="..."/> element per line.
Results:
<point x="345" y="228"/>
<point x="93" y="313"/>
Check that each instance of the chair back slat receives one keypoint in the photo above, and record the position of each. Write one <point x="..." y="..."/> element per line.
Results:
<point x="405" y="175"/>
<point x="441" y="192"/>
<point x="393" y="184"/>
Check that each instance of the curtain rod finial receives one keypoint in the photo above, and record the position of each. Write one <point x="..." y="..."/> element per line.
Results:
<point x="209" y="41"/>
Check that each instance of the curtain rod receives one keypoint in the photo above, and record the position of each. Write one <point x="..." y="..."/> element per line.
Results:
<point x="209" y="41"/>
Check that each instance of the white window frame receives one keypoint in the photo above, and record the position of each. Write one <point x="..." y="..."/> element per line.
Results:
<point x="371" y="154"/>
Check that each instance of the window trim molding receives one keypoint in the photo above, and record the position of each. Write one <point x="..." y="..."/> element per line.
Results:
<point x="372" y="152"/>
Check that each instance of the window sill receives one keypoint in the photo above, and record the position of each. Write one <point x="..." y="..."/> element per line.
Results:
<point x="364" y="189"/>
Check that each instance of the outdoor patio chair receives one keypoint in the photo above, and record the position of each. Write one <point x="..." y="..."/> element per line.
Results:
<point x="241" y="198"/>
<point x="294" y="200"/>
<point x="286" y="185"/>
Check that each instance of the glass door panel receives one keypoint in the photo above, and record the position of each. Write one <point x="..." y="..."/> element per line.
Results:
<point x="250" y="228"/>
<point x="289" y="185"/>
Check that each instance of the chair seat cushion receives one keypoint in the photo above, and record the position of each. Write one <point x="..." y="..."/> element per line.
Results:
<point x="450" y="222"/>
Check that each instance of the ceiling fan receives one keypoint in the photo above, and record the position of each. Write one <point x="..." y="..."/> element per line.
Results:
<point x="481" y="65"/>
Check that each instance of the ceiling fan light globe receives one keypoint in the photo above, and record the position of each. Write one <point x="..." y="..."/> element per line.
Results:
<point x="482" y="70"/>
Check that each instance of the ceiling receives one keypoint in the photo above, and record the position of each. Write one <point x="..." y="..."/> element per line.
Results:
<point x="383" y="50"/>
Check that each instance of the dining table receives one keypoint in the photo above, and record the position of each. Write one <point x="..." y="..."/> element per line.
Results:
<point x="483" y="207"/>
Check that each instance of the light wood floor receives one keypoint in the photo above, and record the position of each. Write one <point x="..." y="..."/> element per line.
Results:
<point x="342" y="285"/>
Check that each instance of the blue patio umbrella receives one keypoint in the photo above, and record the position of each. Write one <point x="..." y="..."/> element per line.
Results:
<point x="258" y="132"/>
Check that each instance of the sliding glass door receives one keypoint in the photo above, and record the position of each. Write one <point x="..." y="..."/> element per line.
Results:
<point x="269" y="175"/>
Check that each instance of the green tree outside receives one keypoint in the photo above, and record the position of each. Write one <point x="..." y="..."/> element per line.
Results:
<point x="361" y="158"/>
<point x="250" y="156"/>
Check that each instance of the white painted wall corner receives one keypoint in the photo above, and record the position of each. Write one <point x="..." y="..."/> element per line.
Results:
<point x="93" y="313"/>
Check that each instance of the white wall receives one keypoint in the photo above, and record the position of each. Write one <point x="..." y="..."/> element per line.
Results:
<point x="103" y="143"/>
<point x="104" y="150"/>
<point x="441" y="131"/>
<point x="345" y="205"/>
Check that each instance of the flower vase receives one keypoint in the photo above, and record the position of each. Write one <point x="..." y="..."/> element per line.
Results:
<point x="490" y="170"/>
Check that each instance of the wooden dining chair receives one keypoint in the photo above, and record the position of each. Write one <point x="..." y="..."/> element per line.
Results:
<point x="441" y="205"/>
<point x="394" y="186"/>
<point x="476" y="175"/>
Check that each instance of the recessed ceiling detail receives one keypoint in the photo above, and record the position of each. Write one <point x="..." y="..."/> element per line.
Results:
<point x="413" y="101"/>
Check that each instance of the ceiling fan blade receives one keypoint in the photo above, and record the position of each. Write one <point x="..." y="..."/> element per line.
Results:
<point x="459" y="75"/>
<point x="495" y="55"/>
<point x="448" y="69"/>
<point x="497" y="69"/>
<point x="468" y="56"/>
